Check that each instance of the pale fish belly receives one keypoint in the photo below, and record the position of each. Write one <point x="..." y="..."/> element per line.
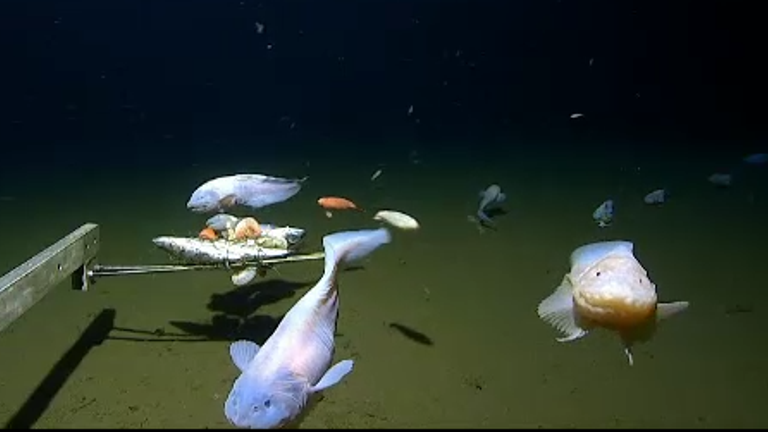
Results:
<point x="616" y="293"/>
<point x="312" y="344"/>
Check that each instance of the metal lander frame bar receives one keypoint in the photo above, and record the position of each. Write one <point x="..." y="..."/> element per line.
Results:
<point x="74" y="256"/>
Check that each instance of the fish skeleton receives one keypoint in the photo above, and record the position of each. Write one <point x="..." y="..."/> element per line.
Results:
<point x="250" y="190"/>
<point x="200" y="251"/>
<point x="277" y="378"/>
<point x="489" y="198"/>
<point x="606" y="287"/>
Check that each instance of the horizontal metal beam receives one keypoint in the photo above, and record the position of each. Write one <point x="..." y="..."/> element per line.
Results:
<point x="69" y="257"/>
<point x="98" y="271"/>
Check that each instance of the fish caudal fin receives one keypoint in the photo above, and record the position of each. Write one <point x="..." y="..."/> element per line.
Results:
<point x="348" y="246"/>
<point x="334" y="375"/>
<point x="483" y="218"/>
<point x="557" y="310"/>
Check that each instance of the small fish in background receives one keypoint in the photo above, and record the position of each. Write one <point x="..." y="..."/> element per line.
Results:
<point x="490" y="199"/>
<point x="277" y="378"/>
<point x="413" y="157"/>
<point x="376" y="175"/>
<point x="603" y="214"/>
<point x="721" y="180"/>
<point x="657" y="197"/>
<point x="331" y="203"/>
<point x="607" y="288"/>
<point x="250" y="190"/>
<point x="337" y="203"/>
<point x="577" y="115"/>
<point x="397" y="219"/>
<point x="757" y="159"/>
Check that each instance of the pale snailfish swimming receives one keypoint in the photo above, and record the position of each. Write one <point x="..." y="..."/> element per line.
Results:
<point x="277" y="378"/>
<point x="489" y="198"/>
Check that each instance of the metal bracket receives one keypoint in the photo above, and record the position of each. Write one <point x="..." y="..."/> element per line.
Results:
<point x="25" y="285"/>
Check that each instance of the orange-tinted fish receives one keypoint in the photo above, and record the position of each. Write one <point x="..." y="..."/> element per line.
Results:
<point x="336" y="203"/>
<point x="607" y="287"/>
<point x="207" y="234"/>
<point x="247" y="228"/>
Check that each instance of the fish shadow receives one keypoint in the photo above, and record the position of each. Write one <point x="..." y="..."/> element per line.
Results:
<point x="312" y="402"/>
<point x="235" y="314"/>
<point x="495" y="212"/>
<point x="352" y="268"/>
<point x="491" y="213"/>
<point x="411" y="334"/>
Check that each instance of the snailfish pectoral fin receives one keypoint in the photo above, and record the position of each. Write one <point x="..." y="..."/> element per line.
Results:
<point x="558" y="311"/>
<point x="242" y="352"/>
<point x="334" y="375"/>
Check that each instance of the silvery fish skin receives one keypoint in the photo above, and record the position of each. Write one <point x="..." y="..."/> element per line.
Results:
<point x="277" y="378"/>
<point x="199" y="251"/>
<point x="292" y="235"/>
<point x="250" y="190"/>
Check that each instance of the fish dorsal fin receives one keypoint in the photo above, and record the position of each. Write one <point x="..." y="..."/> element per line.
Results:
<point x="586" y="256"/>
<point x="242" y="352"/>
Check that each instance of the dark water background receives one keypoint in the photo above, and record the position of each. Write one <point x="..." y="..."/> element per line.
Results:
<point x="113" y="112"/>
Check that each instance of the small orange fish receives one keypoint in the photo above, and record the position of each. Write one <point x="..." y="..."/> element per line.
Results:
<point x="207" y="234"/>
<point x="337" y="203"/>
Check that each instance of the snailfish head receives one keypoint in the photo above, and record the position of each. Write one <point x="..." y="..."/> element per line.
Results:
<point x="203" y="200"/>
<point x="253" y="405"/>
